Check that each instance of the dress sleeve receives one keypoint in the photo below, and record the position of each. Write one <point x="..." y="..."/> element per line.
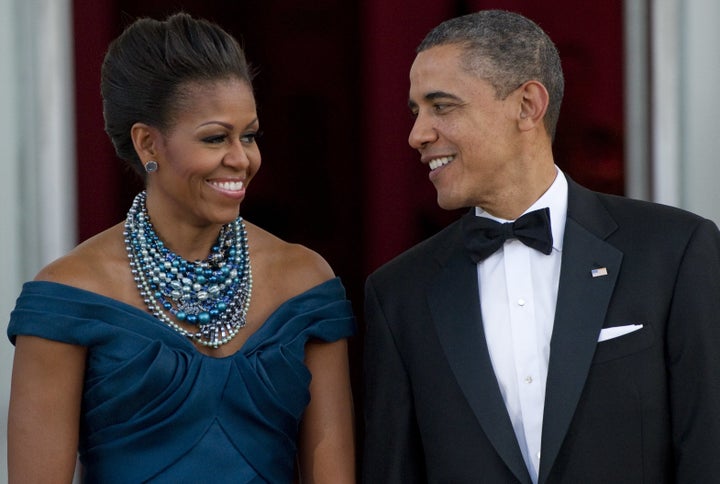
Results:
<point x="322" y="313"/>
<point x="57" y="312"/>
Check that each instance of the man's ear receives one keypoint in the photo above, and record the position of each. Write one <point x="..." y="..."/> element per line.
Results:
<point x="145" y="139"/>
<point x="534" y="104"/>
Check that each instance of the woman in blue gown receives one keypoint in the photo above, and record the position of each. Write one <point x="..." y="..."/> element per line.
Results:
<point x="184" y="344"/>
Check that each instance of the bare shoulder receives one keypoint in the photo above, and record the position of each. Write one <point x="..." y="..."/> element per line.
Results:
<point x="98" y="264"/>
<point x="285" y="268"/>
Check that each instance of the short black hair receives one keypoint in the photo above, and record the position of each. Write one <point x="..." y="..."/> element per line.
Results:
<point x="506" y="49"/>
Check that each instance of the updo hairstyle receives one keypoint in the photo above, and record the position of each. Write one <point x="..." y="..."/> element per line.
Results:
<point x="147" y="67"/>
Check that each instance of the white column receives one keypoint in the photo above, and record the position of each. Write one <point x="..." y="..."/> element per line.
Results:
<point x="637" y="97"/>
<point x="679" y="164"/>
<point x="9" y="208"/>
<point x="37" y="186"/>
<point x="699" y="122"/>
<point x="47" y="136"/>
<point x="666" y="101"/>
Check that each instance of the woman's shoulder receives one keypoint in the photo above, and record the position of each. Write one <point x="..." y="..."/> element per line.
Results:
<point x="99" y="264"/>
<point x="288" y="268"/>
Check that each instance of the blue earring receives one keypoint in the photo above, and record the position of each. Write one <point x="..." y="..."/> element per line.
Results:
<point x="151" y="166"/>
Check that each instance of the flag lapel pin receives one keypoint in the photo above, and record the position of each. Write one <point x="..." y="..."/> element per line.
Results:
<point x="599" y="272"/>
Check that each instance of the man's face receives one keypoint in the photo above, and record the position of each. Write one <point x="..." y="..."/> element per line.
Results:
<point x="464" y="133"/>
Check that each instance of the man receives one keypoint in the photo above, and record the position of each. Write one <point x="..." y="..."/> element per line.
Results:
<point x="586" y="351"/>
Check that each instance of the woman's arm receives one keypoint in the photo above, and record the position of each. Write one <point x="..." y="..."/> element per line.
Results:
<point x="326" y="442"/>
<point x="44" y="415"/>
<point x="327" y="446"/>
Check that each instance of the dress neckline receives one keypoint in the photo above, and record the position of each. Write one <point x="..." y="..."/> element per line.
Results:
<point x="248" y="345"/>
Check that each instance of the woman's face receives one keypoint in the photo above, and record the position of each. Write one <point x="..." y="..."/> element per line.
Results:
<point x="208" y="156"/>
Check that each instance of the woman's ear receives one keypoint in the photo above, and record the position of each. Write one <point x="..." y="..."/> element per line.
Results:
<point x="534" y="104"/>
<point x="145" y="140"/>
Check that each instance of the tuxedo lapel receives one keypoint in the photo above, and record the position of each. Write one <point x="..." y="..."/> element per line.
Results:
<point x="453" y="301"/>
<point x="590" y="267"/>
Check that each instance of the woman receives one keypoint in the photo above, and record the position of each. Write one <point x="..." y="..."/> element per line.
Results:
<point x="185" y="343"/>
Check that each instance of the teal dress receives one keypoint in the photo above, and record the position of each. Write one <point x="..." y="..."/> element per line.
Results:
<point x="154" y="409"/>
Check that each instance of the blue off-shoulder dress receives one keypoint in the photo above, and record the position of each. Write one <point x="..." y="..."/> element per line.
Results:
<point x="154" y="409"/>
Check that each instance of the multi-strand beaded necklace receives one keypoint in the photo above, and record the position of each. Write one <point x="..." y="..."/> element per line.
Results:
<point x="212" y="294"/>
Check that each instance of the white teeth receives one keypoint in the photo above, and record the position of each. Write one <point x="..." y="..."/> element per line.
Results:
<point x="229" y="185"/>
<point x="438" y="162"/>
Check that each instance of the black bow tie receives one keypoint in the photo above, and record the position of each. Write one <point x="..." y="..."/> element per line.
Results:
<point x="484" y="236"/>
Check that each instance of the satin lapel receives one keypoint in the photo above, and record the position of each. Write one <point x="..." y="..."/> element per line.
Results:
<point x="582" y="303"/>
<point x="455" y="308"/>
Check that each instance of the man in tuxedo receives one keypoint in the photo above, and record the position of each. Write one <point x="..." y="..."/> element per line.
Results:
<point x="552" y="334"/>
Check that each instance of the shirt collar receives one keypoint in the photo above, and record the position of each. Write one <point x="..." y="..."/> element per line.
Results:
<point x="555" y="198"/>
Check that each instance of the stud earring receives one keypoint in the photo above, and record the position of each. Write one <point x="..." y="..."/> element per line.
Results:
<point x="151" y="166"/>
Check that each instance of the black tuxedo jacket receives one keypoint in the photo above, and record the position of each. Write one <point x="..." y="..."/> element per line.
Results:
<point x="640" y="408"/>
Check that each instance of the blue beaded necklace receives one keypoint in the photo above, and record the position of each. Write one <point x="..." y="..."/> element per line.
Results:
<point x="211" y="294"/>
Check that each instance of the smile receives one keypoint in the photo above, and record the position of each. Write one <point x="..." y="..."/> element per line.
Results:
<point x="438" y="162"/>
<point x="232" y="186"/>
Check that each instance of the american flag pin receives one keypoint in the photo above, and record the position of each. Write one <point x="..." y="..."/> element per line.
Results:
<point x="599" y="272"/>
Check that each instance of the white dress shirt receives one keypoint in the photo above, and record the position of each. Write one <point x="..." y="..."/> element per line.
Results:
<point x="518" y="291"/>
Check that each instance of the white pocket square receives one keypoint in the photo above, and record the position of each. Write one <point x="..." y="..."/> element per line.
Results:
<point x="616" y="331"/>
